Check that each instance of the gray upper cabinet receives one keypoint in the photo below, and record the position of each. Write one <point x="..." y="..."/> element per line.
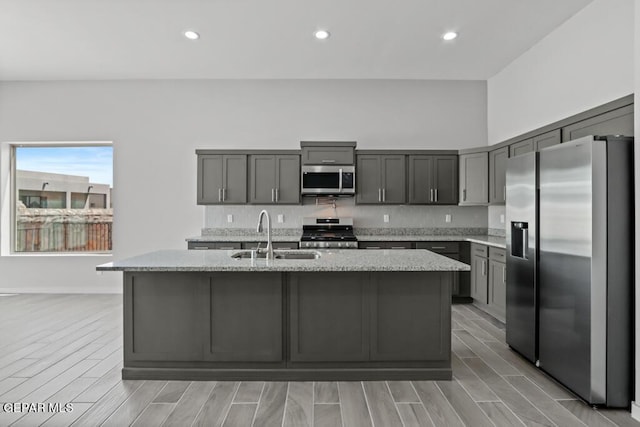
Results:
<point x="547" y="139"/>
<point x="381" y="179"/>
<point x="616" y="122"/>
<point x="328" y="153"/>
<point x="497" y="175"/>
<point x="522" y="147"/>
<point x="474" y="178"/>
<point x="274" y="179"/>
<point x="222" y="179"/>
<point x="433" y="179"/>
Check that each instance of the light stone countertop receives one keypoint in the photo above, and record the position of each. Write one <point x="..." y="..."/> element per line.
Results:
<point x="330" y="260"/>
<point x="495" y="241"/>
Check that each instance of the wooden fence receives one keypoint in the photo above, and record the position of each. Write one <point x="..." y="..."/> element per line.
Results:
<point x="64" y="234"/>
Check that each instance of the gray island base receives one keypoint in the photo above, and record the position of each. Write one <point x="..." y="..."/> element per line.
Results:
<point x="349" y="315"/>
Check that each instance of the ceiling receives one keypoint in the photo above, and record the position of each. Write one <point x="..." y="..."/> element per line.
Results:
<point x="242" y="39"/>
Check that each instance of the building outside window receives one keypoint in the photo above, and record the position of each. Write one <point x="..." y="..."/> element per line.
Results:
<point x="63" y="198"/>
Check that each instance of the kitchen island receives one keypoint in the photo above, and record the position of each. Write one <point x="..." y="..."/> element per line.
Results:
<point x="348" y="315"/>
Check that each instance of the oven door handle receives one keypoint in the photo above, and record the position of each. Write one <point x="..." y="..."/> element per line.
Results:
<point x="340" y="180"/>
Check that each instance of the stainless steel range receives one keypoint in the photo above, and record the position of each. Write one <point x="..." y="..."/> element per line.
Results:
<point x="328" y="233"/>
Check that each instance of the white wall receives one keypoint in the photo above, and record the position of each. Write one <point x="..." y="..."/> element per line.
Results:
<point x="156" y="126"/>
<point x="584" y="63"/>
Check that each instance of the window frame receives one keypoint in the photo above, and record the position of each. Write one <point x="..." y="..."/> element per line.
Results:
<point x="8" y="246"/>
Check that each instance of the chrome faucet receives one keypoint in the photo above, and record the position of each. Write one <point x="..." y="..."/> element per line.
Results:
<point x="269" y="249"/>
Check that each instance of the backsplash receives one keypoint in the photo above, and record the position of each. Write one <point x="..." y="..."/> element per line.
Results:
<point x="496" y="218"/>
<point x="364" y="216"/>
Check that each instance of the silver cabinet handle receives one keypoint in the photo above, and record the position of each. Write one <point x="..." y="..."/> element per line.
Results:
<point x="398" y="247"/>
<point x="272" y="196"/>
<point x="372" y="247"/>
<point x="464" y="195"/>
<point x="328" y="161"/>
<point x="340" y="180"/>
<point x="219" y="194"/>
<point x="436" y="194"/>
<point x="384" y="195"/>
<point x="431" y="195"/>
<point x="277" y="195"/>
<point x="200" y="247"/>
<point x="504" y="193"/>
<point x="224" y="194"/>
<point x="504" y="274"/>
<point x="379" y="194"/>
<point x="227" y="248"/>
<point x="438" y="247"/>
<point x="484" y="268"/>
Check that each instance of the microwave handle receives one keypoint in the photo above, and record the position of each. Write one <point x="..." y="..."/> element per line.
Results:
<point x="340" y="180"/>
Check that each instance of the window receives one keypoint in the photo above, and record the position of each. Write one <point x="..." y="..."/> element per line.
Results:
<point x="62" y="198"/>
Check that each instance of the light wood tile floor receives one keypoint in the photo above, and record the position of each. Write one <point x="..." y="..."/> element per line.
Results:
<point x="68" y="348"/>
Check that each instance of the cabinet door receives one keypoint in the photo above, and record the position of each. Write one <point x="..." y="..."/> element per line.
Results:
<point x="445" y="180"/>
<point x="410" y="316"/>
<point x="368" y="179"/>
<point x="210" y="179"/>
<point x="329" y="317"/>
<point x="245" y="317"/>
<point x="547" y="139"/>
<point x="421" y="189"/>
<point x="287" y="179"/>
<point x="498" y="175"/>
<point x="479" y="278"/>
<point x="522" y="147"/>
<point x="262" y="188"/>
<point x="327" y="155"/>
<point x="394" y="190"/>
<point x="497" y="286"/>
<point x="616" y="122"/>
<point x="235" y="179"/>
<point x="474" y="179"/>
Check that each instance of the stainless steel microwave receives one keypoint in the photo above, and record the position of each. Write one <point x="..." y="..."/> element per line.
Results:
<point x="328" y="180"/>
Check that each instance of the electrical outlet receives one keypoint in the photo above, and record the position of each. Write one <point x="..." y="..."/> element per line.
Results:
<point x="385" y="218"/>
<point x="229" y="218"/>
<point x="447" y="218"/>
<point x="501" y="218"/>
<point x="280" y="218"/>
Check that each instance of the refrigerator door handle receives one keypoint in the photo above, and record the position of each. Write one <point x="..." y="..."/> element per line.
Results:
<point x="525" y="242"/>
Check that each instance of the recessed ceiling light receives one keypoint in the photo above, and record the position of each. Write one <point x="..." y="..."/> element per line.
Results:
<point x="322" y="34"/>
<point x="449" y="36"/>
<point x="191" y="35"/>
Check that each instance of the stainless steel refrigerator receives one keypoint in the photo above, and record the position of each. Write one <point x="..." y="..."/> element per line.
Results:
<point x="569" y="264"/>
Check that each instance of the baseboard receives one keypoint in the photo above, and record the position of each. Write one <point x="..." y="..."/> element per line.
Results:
<point x="64" y="290"/>
<point x="635" y="410"/>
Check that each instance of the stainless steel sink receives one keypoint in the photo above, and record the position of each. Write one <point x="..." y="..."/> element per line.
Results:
<point x="277" y="255"/>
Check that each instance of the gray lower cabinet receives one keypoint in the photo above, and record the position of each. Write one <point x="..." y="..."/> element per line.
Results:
<point x="450" y="250"/>
<point x="329" y="317"/>
<point x="498" y="176"/>
<point x="274" y="179"/>
<point x="222" y="179"/>
<point x="386" y="245"/>
<point x="474" y="178"/>
<point x="615" y="122"/>
<point x="400" y="306"/>
<point x="433" y="180"/>
<point x="380" y="179"/>
<point x="547" y="139"/>
<point x="245" y="317"/>
<point x="479" y="273"/>
<point x="497" y="288"/>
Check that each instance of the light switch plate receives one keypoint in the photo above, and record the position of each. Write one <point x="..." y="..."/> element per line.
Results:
<point x="447" y="218"/>
<point x="229" y="218"/>
<point x="280" y="218"/>
<point x="501" y="218"/>
<point x="385" y="218"/>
